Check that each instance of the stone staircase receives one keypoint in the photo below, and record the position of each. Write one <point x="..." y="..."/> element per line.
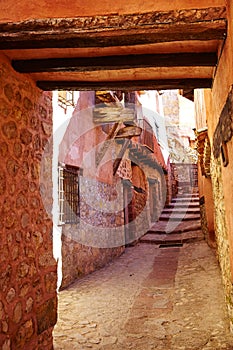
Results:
<point x="179" y="223"/>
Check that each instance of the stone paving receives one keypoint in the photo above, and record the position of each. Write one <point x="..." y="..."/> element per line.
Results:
<point x="149" y="298"/>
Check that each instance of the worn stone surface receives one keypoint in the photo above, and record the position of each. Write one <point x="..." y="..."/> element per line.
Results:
<point x="46" y="315"/>
<point x="103" y="231"/>
<point x="24" y="286"/>
<point x="221" y="233"/>
<point x="99" y="236"/>
<point x="80" y="260"/>
<point x="149" y="298"/>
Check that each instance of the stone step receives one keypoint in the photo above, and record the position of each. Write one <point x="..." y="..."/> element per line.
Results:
<point x="185" y="226"/>
<point x="186" y="210"/>
<point x="180" y="205"/>
<point x="185" y="203"/>
<point x="182" y="193"/>
<point x="187" y="200"/>
<point x="188" y="217"/>
<point x="168" y="239"/>
<point x="188" y="194"/>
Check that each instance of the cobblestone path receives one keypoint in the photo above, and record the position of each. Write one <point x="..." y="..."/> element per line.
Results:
<point x="149" y="298"/>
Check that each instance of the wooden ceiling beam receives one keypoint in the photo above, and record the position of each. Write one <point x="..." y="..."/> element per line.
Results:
<point x="115" y="30"/>
<point x="82" y="64"/>
<point x="133" y="85"/>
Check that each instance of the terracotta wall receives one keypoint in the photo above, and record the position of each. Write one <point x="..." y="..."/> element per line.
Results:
<point x="220" y="94"/>
<point x="103" y="229"/>
<point x="99" y="235"/>
<point x="222" y="179"/>
<point x="206" y="207"/>
<point x="27" y="268"/>
<point x="51" y="9"/>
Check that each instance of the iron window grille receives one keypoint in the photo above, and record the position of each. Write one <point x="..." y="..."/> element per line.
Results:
<point x="68" y="186"/>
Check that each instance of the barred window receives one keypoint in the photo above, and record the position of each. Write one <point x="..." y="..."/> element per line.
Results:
<point x="68" y="195"/>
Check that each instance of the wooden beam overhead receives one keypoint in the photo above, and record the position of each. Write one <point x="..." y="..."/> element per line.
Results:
<point x="133" y="85"/>
<point x="82" y="64"/>
<point x="115" y="30"/>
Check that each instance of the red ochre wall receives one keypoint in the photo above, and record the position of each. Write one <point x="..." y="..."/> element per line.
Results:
<point x="28" y="276"/>
<point x="222" y="176"/>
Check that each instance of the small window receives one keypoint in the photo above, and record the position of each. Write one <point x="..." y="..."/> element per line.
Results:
<point x="68" y="195"/>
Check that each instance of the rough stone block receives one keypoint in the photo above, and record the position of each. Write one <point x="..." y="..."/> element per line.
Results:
<point x="9" y="92"/>
<point x="9" y="129"/>
<point x="27" y="103"/>
<point x="23" y="270"/>
<point x="51" y="282"/>
<point x="3" y="149"/>
<point x="2" y="183"/>
<point x="46" y="315"/>
<point x="17" y="314"/>
<point x="23" y="335"/>
<point x="26" y="136"/>
<point x="47" y="259"/>
<point x="10" y="295"/>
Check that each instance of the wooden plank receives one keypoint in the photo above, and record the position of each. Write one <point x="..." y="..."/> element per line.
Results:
<point x="81" y="64"/>
<point x="115" y="30"/>
<point x="131" y="85"/>
<point x="180" y="32"/>
<point x="129" y="131"/>
<point x="112" y="112"/>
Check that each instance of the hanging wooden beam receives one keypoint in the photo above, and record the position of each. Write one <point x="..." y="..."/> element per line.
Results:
<point x="83" y="64"/>
<point x="132" y="85"/>
<point x="115" y="30"/>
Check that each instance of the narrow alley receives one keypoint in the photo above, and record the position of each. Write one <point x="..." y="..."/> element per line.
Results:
<point x="149" y="298"/>
<point x="116" y="175"/>
<point x="165" y="292"/>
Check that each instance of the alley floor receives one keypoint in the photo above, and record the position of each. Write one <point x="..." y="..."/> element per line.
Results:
<point x="149" y="298"/>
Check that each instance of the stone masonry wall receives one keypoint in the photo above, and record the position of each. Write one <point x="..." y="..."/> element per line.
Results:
<point x="219" y="120"/>
<point x="80" y="260"/>
<point x="27" y="268"/>
<point x="221" y="233"/>
<point x="99" y="236"/>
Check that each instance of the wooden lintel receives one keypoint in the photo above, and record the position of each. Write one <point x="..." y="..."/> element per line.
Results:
<point x="115" y="30"/>
<point x="82" y="64"/>
<point x="132" y="85"/>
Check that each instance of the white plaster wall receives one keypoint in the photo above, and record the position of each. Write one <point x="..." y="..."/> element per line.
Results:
<point x="60" y="123"/>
